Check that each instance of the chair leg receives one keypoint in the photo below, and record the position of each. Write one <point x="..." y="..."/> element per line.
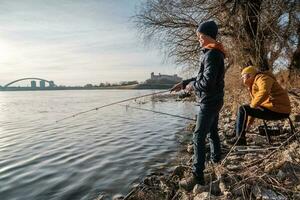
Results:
<point x="293" y="130"/>
<point x="266" y="132"/>
<point x="292" y="126"/>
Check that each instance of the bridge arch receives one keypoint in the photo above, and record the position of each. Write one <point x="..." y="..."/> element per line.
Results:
<point x="22" y="79"/>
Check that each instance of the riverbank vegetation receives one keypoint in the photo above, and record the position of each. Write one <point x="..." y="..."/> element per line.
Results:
<point x="259" y="171"/>
<point x="261" y="33"/>
<point x="265" y="34"/>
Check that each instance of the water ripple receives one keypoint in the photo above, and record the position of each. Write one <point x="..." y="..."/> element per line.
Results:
<point x="103" y="151"/>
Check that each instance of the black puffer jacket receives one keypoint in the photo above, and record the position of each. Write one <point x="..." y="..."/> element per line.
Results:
<point x="209" y="83"/>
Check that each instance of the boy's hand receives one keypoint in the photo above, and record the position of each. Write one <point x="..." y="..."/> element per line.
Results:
<point x="177" y="87"/>
<point x="189" y="88"/>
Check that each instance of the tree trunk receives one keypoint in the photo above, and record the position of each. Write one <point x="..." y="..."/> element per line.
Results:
<point x="294" y="68"/>
<point x="255" y="47"/>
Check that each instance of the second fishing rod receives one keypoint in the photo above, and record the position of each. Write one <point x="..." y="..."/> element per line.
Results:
<point x="111" y="104"/>
<point x="126" y="100"/>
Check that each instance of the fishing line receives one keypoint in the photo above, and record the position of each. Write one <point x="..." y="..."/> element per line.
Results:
<point x="110" y="104"/>
<point x="158" y="112"/>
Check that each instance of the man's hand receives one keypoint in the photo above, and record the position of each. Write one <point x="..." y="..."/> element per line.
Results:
<point x="177" y="87"/>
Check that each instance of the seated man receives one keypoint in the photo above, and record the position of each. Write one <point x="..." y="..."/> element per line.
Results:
<point x="269" y="101"/>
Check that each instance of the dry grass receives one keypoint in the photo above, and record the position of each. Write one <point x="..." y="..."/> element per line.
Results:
<point x="273" y="174"/>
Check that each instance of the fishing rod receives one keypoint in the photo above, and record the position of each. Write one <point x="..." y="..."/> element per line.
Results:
<point x="154" y="111"/>
<point x="110" y="104"/>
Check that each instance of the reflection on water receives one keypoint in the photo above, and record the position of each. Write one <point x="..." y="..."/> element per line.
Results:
<point x="103" y="151"/>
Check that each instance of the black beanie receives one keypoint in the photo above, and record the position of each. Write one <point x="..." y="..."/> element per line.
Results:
<point x="209" y="28"/>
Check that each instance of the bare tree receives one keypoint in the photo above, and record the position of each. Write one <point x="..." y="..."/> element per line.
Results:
<point x="294" y="68"/>
<point x="256" y="31"/>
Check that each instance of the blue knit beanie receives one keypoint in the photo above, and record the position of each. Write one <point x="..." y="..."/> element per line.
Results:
<point x="209" y="28"/>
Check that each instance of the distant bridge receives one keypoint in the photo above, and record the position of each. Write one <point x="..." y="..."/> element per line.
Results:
<point x="51" y="83"/>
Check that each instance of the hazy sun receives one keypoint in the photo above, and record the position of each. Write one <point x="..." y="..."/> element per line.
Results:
<point x="6" y="50"/>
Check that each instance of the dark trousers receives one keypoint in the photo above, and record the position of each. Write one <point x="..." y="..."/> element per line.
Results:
<point x="263" y="113"/>
<point x="207" y="124"/>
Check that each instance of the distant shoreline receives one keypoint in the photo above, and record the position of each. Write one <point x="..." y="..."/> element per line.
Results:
<point x="125" y="87"/>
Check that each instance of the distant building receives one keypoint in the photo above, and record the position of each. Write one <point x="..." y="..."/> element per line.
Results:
<point x="51" y="84"/>
<point x="42" y="84"/>
<point x="33" y="84"/>
<point x="164" y="79"/>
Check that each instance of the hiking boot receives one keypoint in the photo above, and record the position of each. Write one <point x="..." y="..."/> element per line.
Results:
<point x="240" y="142"/>
<point x="189" y="183"/>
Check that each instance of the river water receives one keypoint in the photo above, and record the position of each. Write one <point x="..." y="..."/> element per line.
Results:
<point x="105" y="151"/>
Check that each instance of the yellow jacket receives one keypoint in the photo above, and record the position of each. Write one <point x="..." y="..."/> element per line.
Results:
<point x="267" y="92"/>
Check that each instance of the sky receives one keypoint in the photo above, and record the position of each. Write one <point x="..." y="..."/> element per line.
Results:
<point x="75" y="42"/>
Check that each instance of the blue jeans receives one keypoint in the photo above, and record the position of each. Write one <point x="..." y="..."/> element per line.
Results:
<point x="207" y="124"/>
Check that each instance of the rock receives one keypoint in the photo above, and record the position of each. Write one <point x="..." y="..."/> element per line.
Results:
<point x="135" y="185"/>
<point x="239" y="191"/>
<point x="215" y="188"/>
<point x="235" y="158"/>
<point x="271" y="195"/>
<point x="151" y="180"/>
<point x="179" y="171"/>
<point x="259" y="141"/>
<point x="228" y="181"/>
<point x="103" y="197"/>
<point x="191" y="127"/>
<point x="256" y="192"/>
<point x="184" y="196"/>
<point x="296" y="195"/>
<point x="228" y="195"/>
<point x="164" y="187"/>
<point x="228" y="113"/>
<point x="118" y="197"/>
<point x="227" y="120"/>
<point x="169" y="194"/>
<point x="226" y="127"/>
<point x="199" y="189"/>
<point x="251" y="156"/>
<point x="275" y="165"/>
<point x="190" y="148"/>
<point x="234" y="167"/>
<point x="266" y="194"/>
<point x="295" y="118"/>
<point x="281" y="175"/>
<point x="204" y="196"/>
<point x="147" y="181"/>
<point x="222" y="186"/>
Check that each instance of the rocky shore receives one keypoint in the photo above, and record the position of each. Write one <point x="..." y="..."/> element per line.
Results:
<point x="258" y="171"/>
